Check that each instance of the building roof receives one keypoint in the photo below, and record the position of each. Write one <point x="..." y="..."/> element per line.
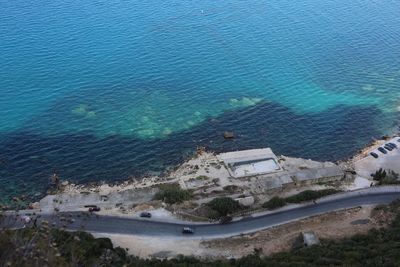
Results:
<point x="313" y="174"/>
<point x="250" y="162"/>
<point x="246" y="155"/>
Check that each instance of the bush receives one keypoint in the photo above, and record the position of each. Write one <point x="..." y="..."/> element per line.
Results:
<point x="44" y="247"/>
<point x="379" y="175"/>
<point x="274" y="203"/>
<point x="231" y="188"/>
<point x="210" y="213"/>
<point x="386" y="177"/>
<point x="224" y="205"/>
<point x="225" y="219"/>
<point x="310" y="195"/>
<point x="172" y="193"/>
<point x="277" y="202"/>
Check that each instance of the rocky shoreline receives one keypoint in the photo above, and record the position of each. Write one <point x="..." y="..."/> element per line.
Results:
<point x="58" y="186"/>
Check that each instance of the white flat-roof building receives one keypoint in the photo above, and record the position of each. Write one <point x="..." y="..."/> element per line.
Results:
<point x="250" y="162"/>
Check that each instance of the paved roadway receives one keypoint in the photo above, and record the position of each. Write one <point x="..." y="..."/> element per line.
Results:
<point x="146" y="227"/>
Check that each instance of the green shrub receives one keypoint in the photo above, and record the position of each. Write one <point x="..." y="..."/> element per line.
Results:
<point x="224" y="205"/>
<point x="274" y="203"/>
<point x="230" y="188"/>
<point x="277" y="202"/>
<point x="386" y="177"/>
<point x="211" y="214"/>
<point x="379" y="175"/>
<point x="310" y="195"/>
<point x="44" y="247"/>
<point x="172" y="193"/>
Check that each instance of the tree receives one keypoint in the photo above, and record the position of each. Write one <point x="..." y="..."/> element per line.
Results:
<point x="224" y="205"/>
<point x="386" y="177"/>
<point x="172" y="193"/>
<point x="274" y="203"/>
<point x="379" y="175"/>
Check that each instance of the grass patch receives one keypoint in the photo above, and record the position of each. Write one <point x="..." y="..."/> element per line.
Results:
<point x="172" y="193"/>
<point x="386" y="177"/>
<point x="224" y="206"/>
<point x="231" y="188"/>
<point x="274" y="203"/>
<point x="308" y="195"/>
<point x="202" y="177"/>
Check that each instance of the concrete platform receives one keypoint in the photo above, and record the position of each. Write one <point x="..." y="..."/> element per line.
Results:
<point x="390" y="161"/>
<point x="250" y="162"/>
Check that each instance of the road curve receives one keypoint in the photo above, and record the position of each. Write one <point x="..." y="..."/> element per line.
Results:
<point x="131" y="226"/>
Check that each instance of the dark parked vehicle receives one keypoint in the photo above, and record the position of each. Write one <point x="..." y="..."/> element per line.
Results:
<point x="94" y="209"/>
<point x="388" y="147"/>
<point x="374" y="155"/>
<point x="382" y="150"/>
<point x="393" y="145"/>
<point x="187" y="230"/>
<point x="145" y="214"/>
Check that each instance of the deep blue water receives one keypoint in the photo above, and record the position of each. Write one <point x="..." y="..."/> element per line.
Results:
<point x="105" y="90"/>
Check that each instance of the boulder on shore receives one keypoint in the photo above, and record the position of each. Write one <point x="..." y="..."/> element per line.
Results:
<point x="34" y="205"/>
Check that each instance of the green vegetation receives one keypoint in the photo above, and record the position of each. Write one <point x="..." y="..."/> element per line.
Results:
<point x="274" y="203"/>
<point x="172" y="193"/>
<point x="379" y="174"/>
<point x="202" y="177"/>
<point x="224" y="205"/>
<point x="231" y="188"/>
<point x="50" y="247"/>
<point x="386" y="177"/>
<point x="310" y="195"/>
<point x="277" y="202"/>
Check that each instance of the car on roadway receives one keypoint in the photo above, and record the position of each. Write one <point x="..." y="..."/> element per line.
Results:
<point x="145" y="214"/>
<point x="382" y="150"/>
<point x="374" y="155"/>
<point x="187" y="230"/>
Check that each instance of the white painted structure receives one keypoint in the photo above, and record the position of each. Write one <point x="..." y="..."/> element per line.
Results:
<point x="250" y="162"/>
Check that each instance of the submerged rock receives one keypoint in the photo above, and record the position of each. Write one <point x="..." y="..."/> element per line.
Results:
<point x="80" y="110"/>
<point x="229" y="135"/>
<point x="91" y="114"/>
<point x="34" y="205"/>
<point x="244" y="101"/>
<point x="167" y="131"/>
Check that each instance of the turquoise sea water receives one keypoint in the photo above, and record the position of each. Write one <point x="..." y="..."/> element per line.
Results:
<point x="104" y="90"/>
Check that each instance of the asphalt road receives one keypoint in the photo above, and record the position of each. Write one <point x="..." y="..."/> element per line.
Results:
<point x="120" y="225"/>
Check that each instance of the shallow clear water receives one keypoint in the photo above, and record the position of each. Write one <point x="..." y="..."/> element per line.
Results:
<point x="104" y="90"/>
